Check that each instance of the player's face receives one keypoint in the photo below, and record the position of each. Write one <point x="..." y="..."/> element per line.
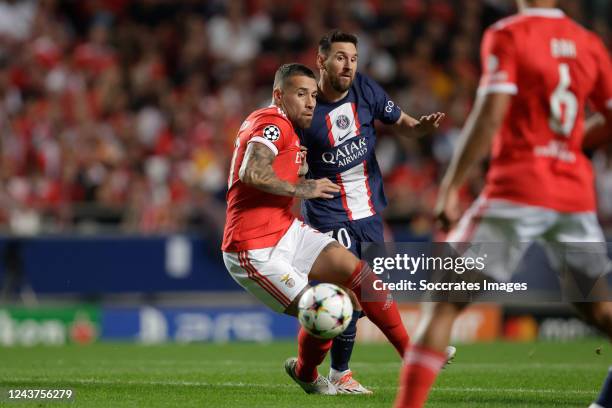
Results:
<point x="340" y="65"/>
<point x="298" y="100"/>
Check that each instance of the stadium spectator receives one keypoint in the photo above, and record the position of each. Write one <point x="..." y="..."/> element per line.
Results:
<point x="92" y="91"/>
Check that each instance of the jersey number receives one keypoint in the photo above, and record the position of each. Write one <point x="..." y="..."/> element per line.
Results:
<point x="563" y="104"/>
<point x="344" y="238"/>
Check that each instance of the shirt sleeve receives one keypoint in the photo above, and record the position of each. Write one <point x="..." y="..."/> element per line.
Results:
<point x="498" y="63"/>
<point x="601" y="96"/>
<point x="271" y="131"/>
<point x="385" y="109"/>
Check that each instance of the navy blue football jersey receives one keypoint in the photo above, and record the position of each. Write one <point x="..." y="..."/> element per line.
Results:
<point x="340" y="145"/>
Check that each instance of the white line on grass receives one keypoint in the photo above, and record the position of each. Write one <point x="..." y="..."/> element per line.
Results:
<point x="95" y="381"/>
<point x="497" y="366"/>
<point x="371" y="364"/>
<point x="512" y="390"/>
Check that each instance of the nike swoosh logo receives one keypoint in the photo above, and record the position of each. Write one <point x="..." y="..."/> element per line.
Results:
<point x="344" y="137"/>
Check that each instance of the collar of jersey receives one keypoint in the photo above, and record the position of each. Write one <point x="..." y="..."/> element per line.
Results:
<point x="279" y="109"/>
<point x="543" y="12"/>
<point x="320" y="99"/>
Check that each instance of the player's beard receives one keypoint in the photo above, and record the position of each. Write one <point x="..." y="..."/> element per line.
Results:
<point x="304" y="122"/>
<point x="334" y="80"/>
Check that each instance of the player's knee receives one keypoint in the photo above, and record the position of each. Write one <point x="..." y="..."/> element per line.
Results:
<point x="345" y="269"/>
<point x="448" y="310"/>
<point x="602" y="314"/>
<point x="347" y="264"/>
<point x="292" y="309"/>
<point x="599" y="314"/>
<point x="335" y="264"/>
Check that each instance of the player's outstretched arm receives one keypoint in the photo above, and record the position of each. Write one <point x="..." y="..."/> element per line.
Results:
<point x="482" y="124"/>
<point x="256" y="171"/>
<point x="421" y="127"/>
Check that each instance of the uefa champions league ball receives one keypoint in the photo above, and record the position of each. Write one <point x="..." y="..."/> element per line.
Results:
<point x="325" y="310"/>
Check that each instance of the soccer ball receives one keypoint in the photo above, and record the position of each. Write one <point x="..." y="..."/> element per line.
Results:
<point x="325" y="310"/>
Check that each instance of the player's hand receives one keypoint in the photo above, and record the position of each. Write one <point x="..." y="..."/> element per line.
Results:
<point x="321" y="188"/>
<point x="428" y="123"/>
<point x="303" y="170"/>
<point x="446" y="210"/>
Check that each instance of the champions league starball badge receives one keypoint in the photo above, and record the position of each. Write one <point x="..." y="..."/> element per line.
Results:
<point x="271" y="133"/>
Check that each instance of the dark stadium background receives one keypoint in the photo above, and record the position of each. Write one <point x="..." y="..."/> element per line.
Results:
<point x="117" y="120"/>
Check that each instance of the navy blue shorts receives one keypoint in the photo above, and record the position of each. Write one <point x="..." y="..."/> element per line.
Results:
<point x="351" y="234"/>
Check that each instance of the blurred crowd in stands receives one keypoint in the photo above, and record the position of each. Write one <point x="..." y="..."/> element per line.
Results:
<point x="121" y="114"/>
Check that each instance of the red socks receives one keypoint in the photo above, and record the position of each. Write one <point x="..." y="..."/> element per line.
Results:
<point x="421" y="366"/>
<point x="378" y="306"/>
<point x="311" y="353"/>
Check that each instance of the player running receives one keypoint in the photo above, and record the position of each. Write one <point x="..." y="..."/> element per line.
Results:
<point x="268" y="251"/>
<point x="539" y="71"/>
<point x="340" y="145"/>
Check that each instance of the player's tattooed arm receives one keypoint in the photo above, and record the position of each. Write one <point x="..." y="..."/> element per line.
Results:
<point x="256" y="171"/>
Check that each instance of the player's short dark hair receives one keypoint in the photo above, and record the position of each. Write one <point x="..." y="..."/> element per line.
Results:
<point x="334" y="36"/>
<point x="288" y="70"/>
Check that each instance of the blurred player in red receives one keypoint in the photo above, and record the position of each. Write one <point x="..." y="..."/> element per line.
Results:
<point x="266" y="249"/>
<point x="540" y="69"/>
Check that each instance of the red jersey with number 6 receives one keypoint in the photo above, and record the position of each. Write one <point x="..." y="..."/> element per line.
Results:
<point x="553" y="67"/>
<point x="256" y="219"/>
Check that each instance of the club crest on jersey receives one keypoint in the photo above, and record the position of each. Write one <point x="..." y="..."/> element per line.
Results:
<point x="271" y="133"/>
<point x="288" y="280"/>
<point x="342" y="121"/>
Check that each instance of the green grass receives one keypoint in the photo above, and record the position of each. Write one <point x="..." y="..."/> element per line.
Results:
<point x="251" y="375"/>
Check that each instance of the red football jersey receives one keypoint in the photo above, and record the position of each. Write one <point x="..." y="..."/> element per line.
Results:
<point x="256" y="219"/>
<point x="552" y="66"/>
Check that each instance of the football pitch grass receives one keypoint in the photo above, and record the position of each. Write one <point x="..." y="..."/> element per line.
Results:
<point x="543" y="374"/>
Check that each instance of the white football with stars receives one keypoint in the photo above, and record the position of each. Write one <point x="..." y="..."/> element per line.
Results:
<point x="325" y="310"/>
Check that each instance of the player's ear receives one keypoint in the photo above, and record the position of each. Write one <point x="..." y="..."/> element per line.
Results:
<point x="277" y="95"/>
<point x="321" y="60"/>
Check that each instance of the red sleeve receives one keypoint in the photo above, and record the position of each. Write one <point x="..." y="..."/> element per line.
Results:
<point x="498" y="60"/>
<point x="272" y="131"/>
<point x="601" y="97"/>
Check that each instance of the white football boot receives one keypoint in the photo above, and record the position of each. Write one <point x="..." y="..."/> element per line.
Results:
<point x="320" y="386"/>
<point x="450" y="355"/>
<point x="346" y="384"/>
